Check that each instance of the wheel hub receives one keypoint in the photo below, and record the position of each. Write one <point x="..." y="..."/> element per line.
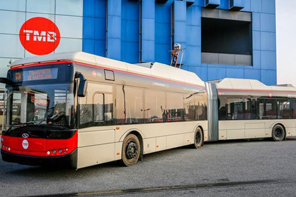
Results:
<point x="131" y="150"/>
<point x="278" y="133"/>
<point x="198" y="138"/>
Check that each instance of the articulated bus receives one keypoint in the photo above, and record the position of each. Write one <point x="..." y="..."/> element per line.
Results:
<point x="79" y="110"/>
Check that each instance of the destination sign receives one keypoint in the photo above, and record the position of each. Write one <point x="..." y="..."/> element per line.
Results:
<point x="33" y="75"/>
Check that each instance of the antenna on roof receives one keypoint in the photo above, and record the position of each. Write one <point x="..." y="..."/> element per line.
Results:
<point x="175" y="55"/>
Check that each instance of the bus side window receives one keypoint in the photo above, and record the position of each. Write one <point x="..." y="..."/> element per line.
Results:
<point x="175" y="108"/>
<point x="293" y="108"/>
<point x="154" y="106"/>
<point x="201" y="106"/>
<point x="86" y="113"/>
<point x="98" y="108"/>
<point x="189" y="107"/>
<point x="108" y="109"/>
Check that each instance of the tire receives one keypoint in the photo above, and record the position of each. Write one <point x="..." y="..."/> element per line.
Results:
<point x="198" y="138"/>
<point x="131" y="150"/>
<point x="278" y="133"/>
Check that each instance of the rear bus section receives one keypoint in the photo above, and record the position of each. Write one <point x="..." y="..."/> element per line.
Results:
<point x="248" y="109"/>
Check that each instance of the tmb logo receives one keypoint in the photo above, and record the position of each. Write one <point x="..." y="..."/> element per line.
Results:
<point x="39" y="36"/>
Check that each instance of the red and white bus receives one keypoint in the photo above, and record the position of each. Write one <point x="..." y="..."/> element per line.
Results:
<point x="81" y="110"/>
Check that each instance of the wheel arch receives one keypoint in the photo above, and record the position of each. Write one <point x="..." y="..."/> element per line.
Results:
<point x="139" y="135"/>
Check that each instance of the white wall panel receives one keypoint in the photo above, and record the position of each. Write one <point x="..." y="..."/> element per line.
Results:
<point x="4" y="68"/>
<point x="32" y="15"/>
<point x="41" y="6"/>
<point x="17" y="5"/>
<point x="11" y="22"/>
<point x="68" y="44"/>
<point x="11" y="46"/>
<point x="69" y="7"/>
<point x="70" y="26"/>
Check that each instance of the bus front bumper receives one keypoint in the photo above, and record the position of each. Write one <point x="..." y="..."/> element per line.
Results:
<point x="69" y="160"/>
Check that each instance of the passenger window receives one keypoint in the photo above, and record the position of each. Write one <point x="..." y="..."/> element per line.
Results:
<point x="190" y="109"/>
<point x="154" y="106"/>
<point x="293" y="108"/>
<point x="283" y="109"/>
<point x="270" y="109"/>
<point x="129" y="105"/>
<point x="260" y="103"/>
<point x="86" y="113"/>
<point x="201" y="106"/>
<point x="175" y="109"/>
<point x="108" y="109"/>
<point x="98" y="108"/>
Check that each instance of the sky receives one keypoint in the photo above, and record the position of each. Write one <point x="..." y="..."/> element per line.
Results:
<point x="286" y="41"/>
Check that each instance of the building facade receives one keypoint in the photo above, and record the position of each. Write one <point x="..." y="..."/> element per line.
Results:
<point x="220" y="38"/>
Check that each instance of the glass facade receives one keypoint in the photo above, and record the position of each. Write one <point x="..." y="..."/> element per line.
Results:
<point x="66" y="14"/>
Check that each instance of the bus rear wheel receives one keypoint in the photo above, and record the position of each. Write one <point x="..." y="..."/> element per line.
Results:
<point x="131" y="150"/>
<point x="198" y="138"/>
<point x="278" y="133"/>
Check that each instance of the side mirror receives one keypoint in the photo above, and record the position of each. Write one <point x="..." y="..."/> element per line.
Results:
<point x="82" y="85"/>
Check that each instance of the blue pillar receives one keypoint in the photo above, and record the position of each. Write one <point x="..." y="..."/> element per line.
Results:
<point x="114" y="29"/>
<point x="148" y="31"/>
<point x="180" y="25"/>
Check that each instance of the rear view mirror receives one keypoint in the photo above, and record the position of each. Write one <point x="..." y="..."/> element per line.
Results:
<point x="82" y="85"/>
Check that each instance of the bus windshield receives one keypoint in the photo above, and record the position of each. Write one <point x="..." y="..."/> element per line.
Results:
<point x="43" y="104"/>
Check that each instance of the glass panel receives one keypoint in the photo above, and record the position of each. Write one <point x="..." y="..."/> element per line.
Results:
<point x="69" y="44"/>
<point x="69" y="26"/>
<point x="270" y="108"/>
<point x="69" y="7"/>
<point x="41" y="104"/>
<point x="254" y="114"/>
<point x="11" y="22"/>
<point x="260" y="111"/>
<point x="98" y="108"/>
<point x="154" y="106"/>
<point x="129" y="105"/>
<point x="175" y="109"/>
<point x="134" y="105"/>
<point x="108" y="109"/>
<point x="293" y="108"/>
<point x="13" y="47"/>
<point x="17" y="5"/>
<point x="47" y="6"/>
<point x="201" y="107"/>
<point x="120" y="105"/>
<point x="283" y="109"/>
<point x="222" y="108"/>
<point x="235" y="109"/>
<point x="247" y="110"/>
<point x="190" y="109"/>
<point x="86" y="113"/>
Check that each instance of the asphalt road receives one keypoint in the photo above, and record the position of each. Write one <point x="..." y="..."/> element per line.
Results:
<point x="236" y="168"/>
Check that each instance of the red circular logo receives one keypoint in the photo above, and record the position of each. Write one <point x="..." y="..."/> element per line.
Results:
<point x="39" y="36"/>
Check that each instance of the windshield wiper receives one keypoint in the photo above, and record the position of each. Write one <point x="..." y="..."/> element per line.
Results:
<point x="21" y="125"/>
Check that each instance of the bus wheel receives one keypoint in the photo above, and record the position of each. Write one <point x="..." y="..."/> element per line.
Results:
<point x="278" y="133"/>
<point x="131" y="150"/>
<point x="198" y="138"/>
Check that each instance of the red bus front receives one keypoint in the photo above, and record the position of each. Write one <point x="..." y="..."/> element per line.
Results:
<point x="40" y="126"/>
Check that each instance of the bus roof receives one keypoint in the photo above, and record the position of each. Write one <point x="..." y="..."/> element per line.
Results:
<point x="233" y="84"/>
<point x="156" y="70"/>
